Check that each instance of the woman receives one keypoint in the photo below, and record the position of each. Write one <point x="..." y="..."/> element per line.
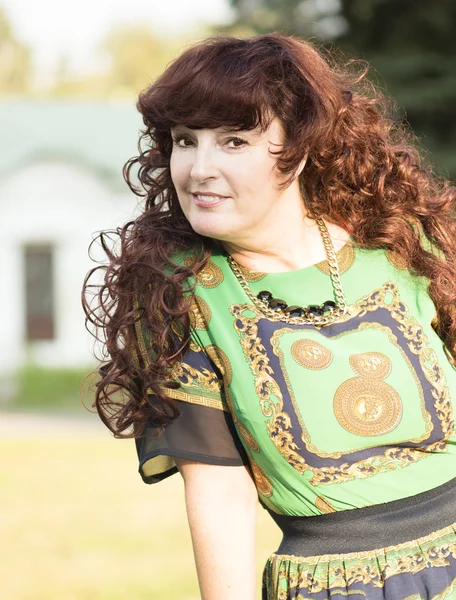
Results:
<point x="281" y="323"/>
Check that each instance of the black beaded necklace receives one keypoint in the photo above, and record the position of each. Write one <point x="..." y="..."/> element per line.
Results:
<point x="277" y="304"/>
<point x="278" y="310"/>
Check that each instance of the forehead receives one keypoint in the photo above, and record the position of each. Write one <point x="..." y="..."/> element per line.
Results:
<point x="274" y="126"/>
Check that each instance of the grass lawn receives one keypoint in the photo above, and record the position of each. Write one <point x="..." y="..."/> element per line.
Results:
<point x="77" y="523"/>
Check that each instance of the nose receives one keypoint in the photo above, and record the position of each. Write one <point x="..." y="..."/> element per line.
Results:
<point x="203" y="166"/>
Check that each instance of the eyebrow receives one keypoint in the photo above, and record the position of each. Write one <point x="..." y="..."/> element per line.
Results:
<point x="224" y="130"/>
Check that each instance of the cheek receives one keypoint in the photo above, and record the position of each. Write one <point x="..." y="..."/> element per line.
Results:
<point x="178" y="170"/>
<point x="250" y="173"/>
<point x="259" y="177"/>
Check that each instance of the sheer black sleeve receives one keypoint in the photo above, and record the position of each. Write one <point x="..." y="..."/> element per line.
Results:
<point x="200" y="433"/>
<point x="204" y="431"/>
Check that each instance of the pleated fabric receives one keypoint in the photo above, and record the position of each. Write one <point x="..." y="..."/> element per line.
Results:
<point x="421" y="569"/>
<point x="400" y="550"/>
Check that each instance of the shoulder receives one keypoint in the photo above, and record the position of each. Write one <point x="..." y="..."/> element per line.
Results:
<point x="212" y="273"/>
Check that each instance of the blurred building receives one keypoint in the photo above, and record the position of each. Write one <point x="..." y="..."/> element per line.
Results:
<point x="61" y="182"/>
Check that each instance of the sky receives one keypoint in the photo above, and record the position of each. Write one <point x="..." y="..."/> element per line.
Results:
<point x="55" y="27"/>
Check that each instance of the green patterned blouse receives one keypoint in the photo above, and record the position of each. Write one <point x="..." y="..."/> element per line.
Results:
<point x="330" y="418"/>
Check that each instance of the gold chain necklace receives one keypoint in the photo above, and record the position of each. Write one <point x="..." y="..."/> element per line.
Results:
<point x="315" y="315"/>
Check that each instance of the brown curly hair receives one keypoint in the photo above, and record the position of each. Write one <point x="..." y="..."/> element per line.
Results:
<point x="364" y="172"/>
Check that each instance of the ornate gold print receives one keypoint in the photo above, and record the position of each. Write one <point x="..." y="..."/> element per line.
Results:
<point x="252" y="276"/>
<point x="210" y="276"/>
<point x="417" y="342"/>
<point x="311" y="354"/>
<point x="200" y="313"/>
<point x="202" y="379"/>
<point x="427" y="417"/>
<point x="221" y="360"/>
<point x="323" y="505"/>
<point x="247" y="436"/>
<point x="345" y="259"/>
<point x="278" y="422"/>
<point x="371" y="364"/>
<point x="367" y="407"/>
<point x="262" y="481"/>
<point x="195" y="399"/>
<point x="194" y="347"/>
<point x="371" y="357"/>
<point x="372" y="567"/>
<point x="396" y="259"/>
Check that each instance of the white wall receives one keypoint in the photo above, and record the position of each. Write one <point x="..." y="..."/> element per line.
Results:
<point x="61" y="204"/>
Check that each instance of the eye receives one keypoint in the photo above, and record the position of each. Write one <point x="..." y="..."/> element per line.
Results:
<point x="181" y="141"/>
<point x="237" y="141"/>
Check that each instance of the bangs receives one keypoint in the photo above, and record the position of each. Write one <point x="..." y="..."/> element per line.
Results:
<point x="218" y="86"/>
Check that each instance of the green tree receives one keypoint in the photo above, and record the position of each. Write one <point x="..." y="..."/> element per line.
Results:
<point x="15" y="60"/>
<point x="305" y="18"/>
<point x="410" y="43"/>
<point x="137" y="57"/>
<point x="134" y="57"/>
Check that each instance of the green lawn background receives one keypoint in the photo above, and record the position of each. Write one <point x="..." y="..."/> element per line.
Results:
<point x="77" y="523"/>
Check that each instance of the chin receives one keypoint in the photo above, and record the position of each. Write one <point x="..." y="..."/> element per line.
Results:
<point x="211" y="229"/>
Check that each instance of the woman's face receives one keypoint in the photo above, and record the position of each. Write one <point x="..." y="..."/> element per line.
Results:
<point x="226" y="181"/>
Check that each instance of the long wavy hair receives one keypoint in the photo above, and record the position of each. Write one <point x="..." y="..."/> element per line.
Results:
<point x="364" y="172"/>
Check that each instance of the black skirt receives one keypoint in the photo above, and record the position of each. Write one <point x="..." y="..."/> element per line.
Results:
<point x="401" y="550"/>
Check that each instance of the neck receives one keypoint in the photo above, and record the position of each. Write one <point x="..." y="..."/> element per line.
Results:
<point x="298" y="246"/>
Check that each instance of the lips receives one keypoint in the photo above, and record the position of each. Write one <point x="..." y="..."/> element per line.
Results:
<point x="207" y="199"/>
<point x="199" y="193"/>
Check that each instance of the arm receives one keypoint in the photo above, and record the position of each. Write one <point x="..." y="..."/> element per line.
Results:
<point x="222" y="509"/>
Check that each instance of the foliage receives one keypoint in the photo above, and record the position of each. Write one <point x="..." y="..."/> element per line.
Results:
<point x="15" y="60"/>
<point x="409" y="44"/>
<point x="53" y="388"/>
<point x="135" y="56"/>
<point x="305" y="18"/>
